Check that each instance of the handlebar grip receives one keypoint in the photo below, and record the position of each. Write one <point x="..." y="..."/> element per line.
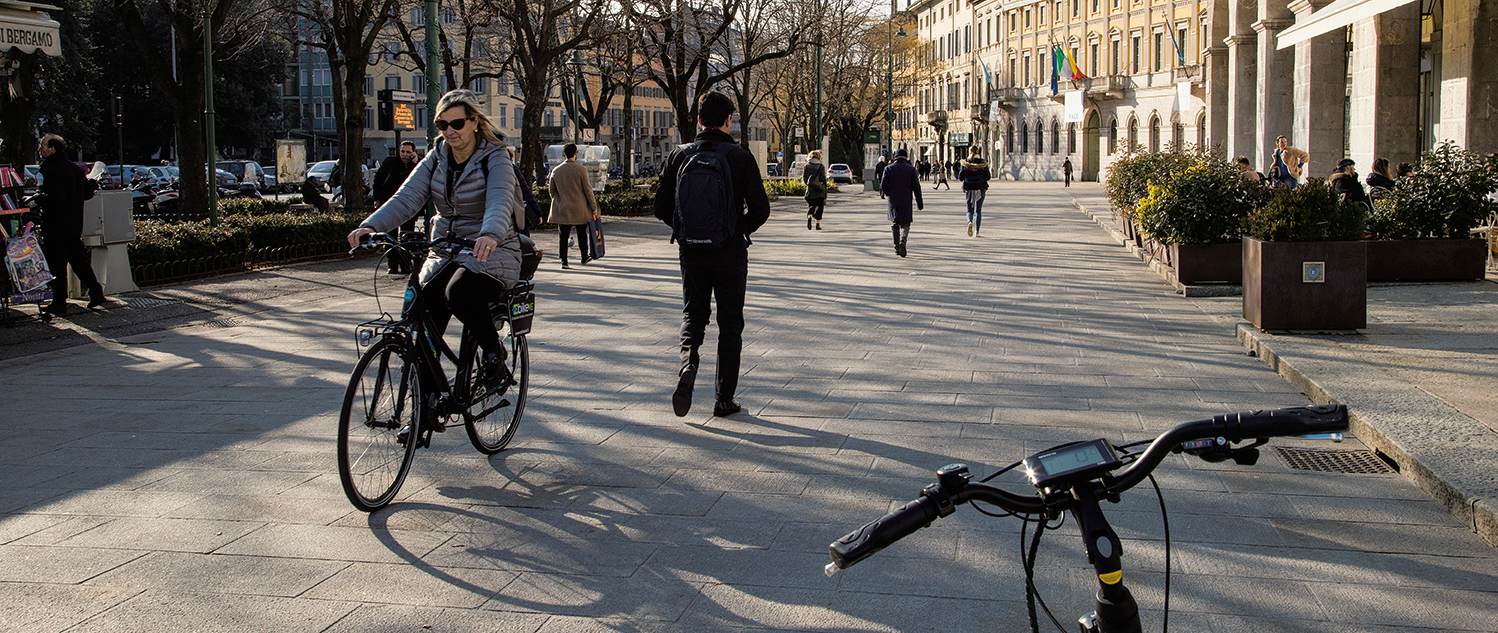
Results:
<point x="882" y="532"/>
<point x="1291" y="421"/>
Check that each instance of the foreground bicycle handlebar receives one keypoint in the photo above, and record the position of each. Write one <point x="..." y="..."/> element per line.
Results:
<point x="1210" y="439"/>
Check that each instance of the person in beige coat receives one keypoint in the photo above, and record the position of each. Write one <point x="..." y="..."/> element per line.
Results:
<point x="572" y="202"/>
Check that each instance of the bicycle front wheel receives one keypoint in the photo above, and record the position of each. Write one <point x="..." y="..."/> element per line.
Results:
<point x="379" y="426"/>
<point x="494" y="416"/>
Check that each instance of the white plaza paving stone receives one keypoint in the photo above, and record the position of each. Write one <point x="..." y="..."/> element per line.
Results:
<point x="194" y="486"/>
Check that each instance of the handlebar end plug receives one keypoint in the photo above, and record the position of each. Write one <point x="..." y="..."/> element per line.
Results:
<point x="831" y="569"/>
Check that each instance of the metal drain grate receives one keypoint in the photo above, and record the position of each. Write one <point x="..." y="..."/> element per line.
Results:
<point x="1333" y="461"/>
<point x="141" y="303"/>
<point x="223" y="323"/>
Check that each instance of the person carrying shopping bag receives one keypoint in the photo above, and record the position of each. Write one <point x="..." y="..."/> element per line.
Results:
<point x="573" y="205"/>
<point x="815" y="177"/>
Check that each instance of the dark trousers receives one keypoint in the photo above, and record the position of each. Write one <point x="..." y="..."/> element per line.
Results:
<point x="457" y="291"/>
<point x="815" y="208"/>
<point x="400" y="263"/>
<point x="582" y="240"/>
<point x="1068" y="179"/>
<point x="723" y="274"/>
<point x="61" y="250"/>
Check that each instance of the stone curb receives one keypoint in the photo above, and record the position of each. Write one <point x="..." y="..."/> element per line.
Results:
<point x="1104" y="219"/>
<point x="1471" y="507"/>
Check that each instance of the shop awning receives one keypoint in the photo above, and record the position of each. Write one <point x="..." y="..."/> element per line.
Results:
<point x="27" y="27"/>
<point x="1331" y="17"/>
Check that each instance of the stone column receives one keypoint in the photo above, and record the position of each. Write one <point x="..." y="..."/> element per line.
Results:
<point x="1469" y="85"/>
<point x="1385" y="64"/>
<point x="1242" y="80"/>
<point x="1275" y="81"/>
<point x="1215" y="70"/>
<point x="1318" y="125"/>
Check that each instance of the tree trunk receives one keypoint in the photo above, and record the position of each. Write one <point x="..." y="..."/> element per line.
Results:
<point x="192" y="147"/>
<point x="629" y="135"/>
<point x="686" y="113"/>
<point x="532" y="155"/>
<point x="351" y="128"/>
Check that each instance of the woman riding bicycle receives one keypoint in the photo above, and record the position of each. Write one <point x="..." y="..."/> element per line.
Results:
<point x="468" y="177"/>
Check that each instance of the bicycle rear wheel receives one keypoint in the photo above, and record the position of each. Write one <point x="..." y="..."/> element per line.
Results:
<point x="379" y="426"/>
<point x="494" y="416"/>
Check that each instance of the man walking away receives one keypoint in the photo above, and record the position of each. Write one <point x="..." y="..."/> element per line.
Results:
<point x="572" y="202"/>
<point x="941" y="175"/>
<point x="1285" y="163"/>
<point x="711" y="194"/>
<point x="62" y="220"/>
<point x="392" y="174"/>
<point x="1066" y="170"/>
<point x="925" y="172"/>
<point x="975" y="176"/>
<point x="879" y="174"/>
<point x="900" y="185"/>
<point x="815" y="177"/>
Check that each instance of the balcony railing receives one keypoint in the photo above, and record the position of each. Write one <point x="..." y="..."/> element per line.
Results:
<point x="1192" y="73"/>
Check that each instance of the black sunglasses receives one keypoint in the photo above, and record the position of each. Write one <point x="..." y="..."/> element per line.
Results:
<point x="443" y="124"/>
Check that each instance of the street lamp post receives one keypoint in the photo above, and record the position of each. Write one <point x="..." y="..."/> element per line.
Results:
<point x="434" y="91"/>
<point x="816" y="112"/>
<point x="212" y="146"/>
<point x="889" y="82"/>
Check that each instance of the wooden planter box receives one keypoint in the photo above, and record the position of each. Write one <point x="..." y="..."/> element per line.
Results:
<point x="1305" y="285"/>
<point x="1207" y="263"/>
<point x="1427" y="260"/>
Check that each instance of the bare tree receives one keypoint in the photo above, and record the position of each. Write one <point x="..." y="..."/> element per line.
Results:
<point x="474" y="46"/>
<point x="347" y="31"/>
<point x="760" y="25"/>
<point x="541" y="34"/>
<point x="237" y="25"/>
<point x="684" y="41"/>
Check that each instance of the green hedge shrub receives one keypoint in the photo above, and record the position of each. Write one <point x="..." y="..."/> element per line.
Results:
<point x="1446" y="197"/>
<point x="1309" y="213"/>
<point x="1201" y="204"/>
<point x="1129" y="177"/>
<point x="157" y="241"/>
<point x="252" y="206"/>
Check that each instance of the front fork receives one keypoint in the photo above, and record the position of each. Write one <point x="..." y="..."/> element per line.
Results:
<point x="1116" y="610"/>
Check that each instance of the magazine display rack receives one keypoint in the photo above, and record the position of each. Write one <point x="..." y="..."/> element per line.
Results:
<point x="19" y="249"/>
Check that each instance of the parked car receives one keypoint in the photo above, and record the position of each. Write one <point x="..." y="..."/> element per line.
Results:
<point x="773" y="170"/>
<point x="320" y="172"/>
<point x="111" y="177"/>
<point x="268" y="182"/>
<point x="840" y="173"/>
<point x="245" y="171"/>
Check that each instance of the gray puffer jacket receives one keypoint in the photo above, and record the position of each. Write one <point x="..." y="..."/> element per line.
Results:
<point x="477" y="208"/>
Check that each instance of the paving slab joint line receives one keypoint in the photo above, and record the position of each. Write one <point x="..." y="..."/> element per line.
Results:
<point x="1478" y="512"/>
<point x="1106" y="221"/>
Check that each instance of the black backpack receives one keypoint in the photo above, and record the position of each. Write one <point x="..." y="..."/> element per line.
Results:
<point x="707" y="214"/>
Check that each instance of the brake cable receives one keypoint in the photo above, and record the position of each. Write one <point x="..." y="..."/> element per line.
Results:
<point x="1165" y="523"/>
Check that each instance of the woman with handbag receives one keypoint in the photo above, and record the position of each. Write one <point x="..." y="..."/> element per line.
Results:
<point x="815" y="177"/>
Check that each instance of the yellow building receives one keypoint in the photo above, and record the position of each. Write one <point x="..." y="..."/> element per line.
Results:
<point x="1143" y="86"/>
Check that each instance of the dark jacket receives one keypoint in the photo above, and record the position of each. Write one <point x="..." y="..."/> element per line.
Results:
<point x="879" y="168"/>
<point x="975" y="174"/>
<point x="1376" y="179"/>
<point x="815" y="172"/>
<point x="393" y="172"/>
<point x="62" y="208"/>
<point x="748" y="188"/>
<point x="900" y="184"/>
<point x="533" y="215"/>
<point x="1348" y="187"/>
<point x="312" y="195"/>
<point x="1066" y="166"/>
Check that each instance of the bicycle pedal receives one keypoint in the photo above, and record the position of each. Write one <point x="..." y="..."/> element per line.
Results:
<point x="403" y="436"/>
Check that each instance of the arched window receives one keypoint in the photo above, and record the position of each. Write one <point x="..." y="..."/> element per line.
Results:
<point x="1055" y="136"/>
<point x="1201" y="130"/>
<point x="1040" y="137"/>
<point x="1112" y="136"/>
<point x="1071" y="138"/>
<point x="1009" y="140"/>
<point x="1154" y="133"/>
<point x="1024" y="138"/>
<point x="1133" y="134"/>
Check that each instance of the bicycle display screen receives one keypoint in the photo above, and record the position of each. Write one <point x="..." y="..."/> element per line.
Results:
<point x="1064" y="464"/>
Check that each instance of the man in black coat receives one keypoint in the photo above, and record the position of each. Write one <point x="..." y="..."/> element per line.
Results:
<point x="902" y="186"/>
<point x="62" y="225"/>
<point x="392" y="174"/>
<point x="714" y="271"/>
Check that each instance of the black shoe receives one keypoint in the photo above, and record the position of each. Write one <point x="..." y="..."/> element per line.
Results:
<point x="586" y="260"/>
<point x="681" y="399"/>
<point x="900" y="250"/>
<point x="59" y="308"/>
<point x="565" y="266"/>
<point x="725" y="408"/>
<point x="96" y="299"/>
<point x="808" y="223"/>
<point x="493" y="375"/>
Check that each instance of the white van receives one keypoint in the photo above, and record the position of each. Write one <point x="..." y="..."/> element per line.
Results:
<point x="595" y="158"/>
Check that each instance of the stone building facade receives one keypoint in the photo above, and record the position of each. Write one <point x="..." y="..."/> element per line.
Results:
<point x="1362" y="79"/>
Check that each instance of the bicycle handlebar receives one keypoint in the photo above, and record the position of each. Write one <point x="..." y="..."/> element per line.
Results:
<point x="953" y="488"/>
<point x="385" y="239"/>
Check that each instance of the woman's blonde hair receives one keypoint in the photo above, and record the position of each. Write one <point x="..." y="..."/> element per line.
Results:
<point x="470" y="103"/>
<point x="975" y="152"/>
<point x="817" y="154"/>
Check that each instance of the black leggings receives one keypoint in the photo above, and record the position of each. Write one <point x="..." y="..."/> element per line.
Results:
<point x="582" y="240"/>
<point x="457" y="291"/>
<point x="814" y="208"/>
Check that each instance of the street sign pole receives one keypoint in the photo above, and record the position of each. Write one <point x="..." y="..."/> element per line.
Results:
<point x="211" y="170"/>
